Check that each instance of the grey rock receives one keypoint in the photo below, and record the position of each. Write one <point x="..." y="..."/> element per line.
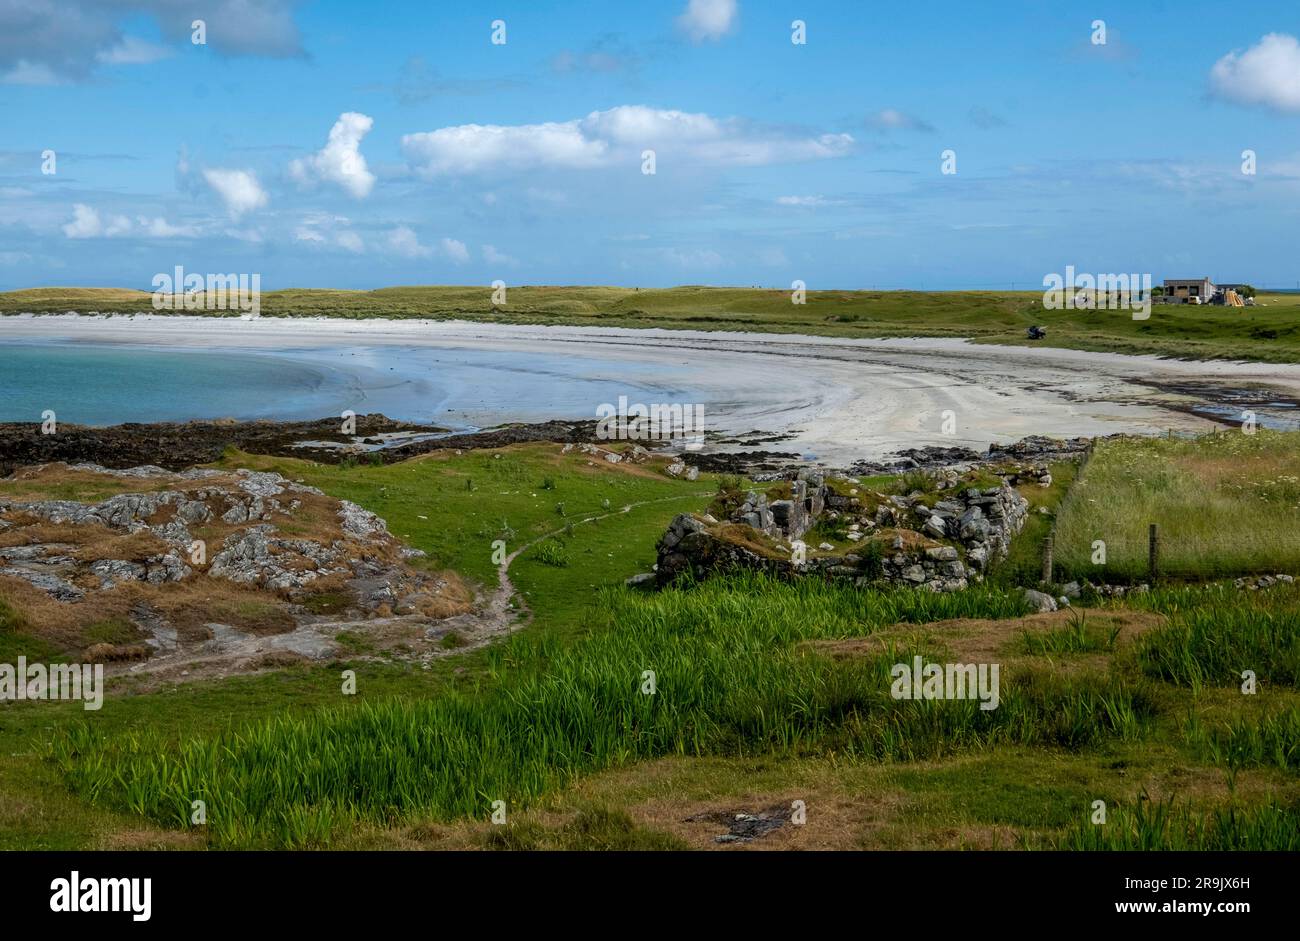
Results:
<point x="112" y="572"/>
<point x="52" y="585"/>
<point x="1040" y="601"/>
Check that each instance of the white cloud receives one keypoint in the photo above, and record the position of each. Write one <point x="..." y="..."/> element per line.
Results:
<point x="494" y="257"/>
<point x="692" y="258"/>
<point x="618" y="135"/>
<point x="891" y="119"/>
<point x="472" y="147"/>
<point x="403" y="241"/>
<point x="238" y="189"/>
<point x="46" y="42"/>
<point x="806" y="202"/>
<point x="1267" y="74"/>
<point x="350" y="241"/>
<point x="133" y="50"/>
<point x="30" y="73"/>
<point x="340" y="161"/>
<point x="160" y="228"/>
<point x="87" y="223"/>
<point x="335" y="232"/>
<point x="455" y="250"/>
<point x="246" y="235"/>
<point x="708" y="19"/>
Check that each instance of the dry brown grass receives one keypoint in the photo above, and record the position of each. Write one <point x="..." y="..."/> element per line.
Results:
<point x="978" y="640"/>
<point x="59" y="482"/>
<point x="454" y="597"/>
<point x="116" y="653"/>
<point x="191" y="604"/>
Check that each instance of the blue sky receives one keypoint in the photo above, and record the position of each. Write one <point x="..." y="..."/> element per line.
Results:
<point x="457" y="160"/>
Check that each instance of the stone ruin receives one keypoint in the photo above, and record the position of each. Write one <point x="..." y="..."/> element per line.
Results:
<point x="898" y="539"/>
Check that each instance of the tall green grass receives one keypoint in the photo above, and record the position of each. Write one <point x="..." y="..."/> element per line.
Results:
<point x="1226" y="504"/>
<point x="1212" y="640"/>
<point x="730" y="674"/>
<point x="1272" y="740"/>
<point x="1164" y="825"/>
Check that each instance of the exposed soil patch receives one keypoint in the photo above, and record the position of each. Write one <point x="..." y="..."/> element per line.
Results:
<point x="977" y="639"/>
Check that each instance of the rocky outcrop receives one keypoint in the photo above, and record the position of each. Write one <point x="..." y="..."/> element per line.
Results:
<point x="1037" y="450"/>
<point x="250" y="504"/>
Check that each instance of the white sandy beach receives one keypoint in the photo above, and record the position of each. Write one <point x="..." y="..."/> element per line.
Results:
<point x="839" y="400"/>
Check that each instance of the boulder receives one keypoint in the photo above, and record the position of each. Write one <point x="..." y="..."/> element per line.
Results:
<point x="1039" y="601"/>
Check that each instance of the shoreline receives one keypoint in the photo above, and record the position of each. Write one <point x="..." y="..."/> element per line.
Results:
<point x="834" y="401"/>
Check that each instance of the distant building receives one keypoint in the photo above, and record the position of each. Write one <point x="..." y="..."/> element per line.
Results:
<point x="1182" y="290"/>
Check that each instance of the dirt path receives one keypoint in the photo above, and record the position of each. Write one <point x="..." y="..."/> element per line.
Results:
<point x="498" y="617"/>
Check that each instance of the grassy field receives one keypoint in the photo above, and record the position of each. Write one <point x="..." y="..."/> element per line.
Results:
<point x="765" y="693"/>
<point x="1269" y="331"/>
<point x="1226" y="504"/>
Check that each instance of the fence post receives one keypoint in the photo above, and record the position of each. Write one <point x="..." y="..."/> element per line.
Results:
<point x="1047" y="560"/>
<point x="1153" y="550"/>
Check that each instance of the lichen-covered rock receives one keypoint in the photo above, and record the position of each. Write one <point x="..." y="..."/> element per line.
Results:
<point x="359" y="522"/>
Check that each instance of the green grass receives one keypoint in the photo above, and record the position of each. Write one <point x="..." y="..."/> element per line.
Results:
<point x="1165" y="825"/>
<point x="1075" y="637"/>
<point x="551" y="552"/>
<point x="1023" y="564"/>
<point x="16" y="640"/>
<point x="1225" y="504"/>
<point x="427" y="504"/>
<point x="1226" y="634"/>
<point x="1270" y="331"/>
<point x="1271" y="740"/>
<point x="728" y="681"/>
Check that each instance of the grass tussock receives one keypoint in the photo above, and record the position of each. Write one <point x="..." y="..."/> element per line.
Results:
<point x="1225" y="634"/>
<point x="1272" y="740"/>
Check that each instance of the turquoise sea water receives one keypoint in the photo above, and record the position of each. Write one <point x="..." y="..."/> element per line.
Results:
<point x="108" y="384"/>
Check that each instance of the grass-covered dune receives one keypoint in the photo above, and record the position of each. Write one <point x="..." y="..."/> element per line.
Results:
<point x="1269" y="331"/>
